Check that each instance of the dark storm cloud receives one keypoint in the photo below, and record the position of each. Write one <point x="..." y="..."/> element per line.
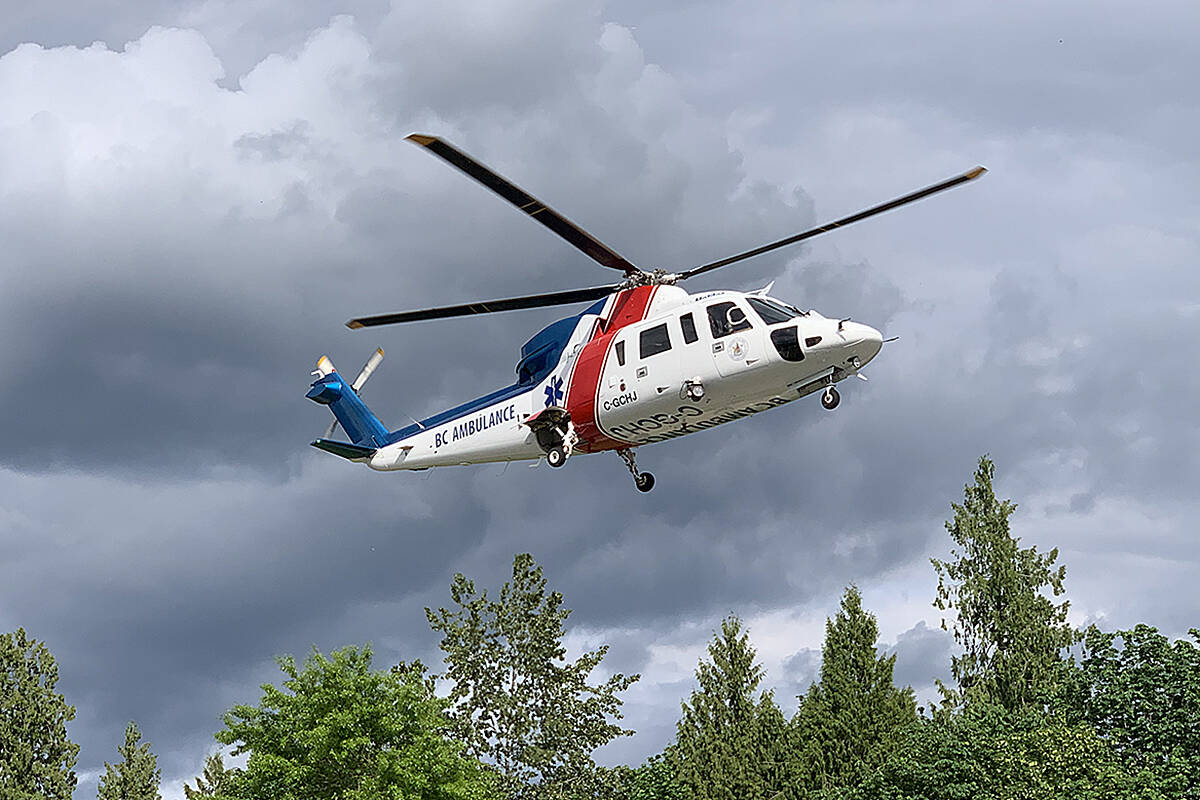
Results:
<point x="195" y="586"/>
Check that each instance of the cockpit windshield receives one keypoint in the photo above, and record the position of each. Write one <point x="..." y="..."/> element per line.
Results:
<point x="772" y="311"/>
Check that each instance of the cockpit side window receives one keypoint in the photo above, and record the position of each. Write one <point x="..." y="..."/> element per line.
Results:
<point x="621" y="353"/>
<point x="770" y="311"/>
<point x="726" y="318"/>
<point x="688" y="323"/>
<point x="655" y="340"/>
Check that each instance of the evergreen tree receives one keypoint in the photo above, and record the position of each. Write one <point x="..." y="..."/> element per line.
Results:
<point x="729" y="745"/>
<point x="339" y="730"/>
<point x="850" y="720"/>
<point x="516" y="701"/>
<point x="1011" y="633"/>
<point x="213" y="782"/>
<point x="136" y="776"/>
<point x="36" y="758"/>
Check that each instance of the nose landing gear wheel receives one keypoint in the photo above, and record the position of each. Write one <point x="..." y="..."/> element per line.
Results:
<point x="644" y="482"/>
<point x="830" y="398"/>
<point x="556" y="457"/>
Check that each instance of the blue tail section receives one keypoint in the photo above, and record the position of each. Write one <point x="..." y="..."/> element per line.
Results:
<point x="363" y="427"/>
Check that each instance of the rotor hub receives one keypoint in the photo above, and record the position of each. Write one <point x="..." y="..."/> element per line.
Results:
<point x="657" y="277"/>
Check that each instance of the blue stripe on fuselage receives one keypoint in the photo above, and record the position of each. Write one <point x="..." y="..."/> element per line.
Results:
<point x="555" y="335"/>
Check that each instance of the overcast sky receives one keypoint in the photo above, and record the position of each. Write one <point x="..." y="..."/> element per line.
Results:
<point x="195" y="196"/>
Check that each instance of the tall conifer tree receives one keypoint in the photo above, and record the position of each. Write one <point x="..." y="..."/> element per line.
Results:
<point x="213" y="782"/>
<point x="1011" y="633"/>
<point x="853" y="717"/>
<point x="729" y="745"/>
<point x="36" y="757"/>
<point x="136" y="776"/>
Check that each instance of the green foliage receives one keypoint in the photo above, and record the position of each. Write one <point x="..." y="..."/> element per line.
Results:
<point x="1144" y="698"/>
<point x="988" y="751"/>
<point x="655" y="780"/>
<point x="214" y="781"/>
<point x="516" y="701"/>
<point x="136" y="776"/>
<point x="1012" y="635"/>
<point x="729" y="746"/>
<point x="339" y="729"/>
<point x="36" y="758"/>
<point x="852" y="719"/>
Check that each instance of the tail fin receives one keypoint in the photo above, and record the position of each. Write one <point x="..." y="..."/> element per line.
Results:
<point x="363" y="427"/>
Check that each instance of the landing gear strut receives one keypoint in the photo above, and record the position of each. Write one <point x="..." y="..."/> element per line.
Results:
<point x="830" y="398"/>
<point x="555" y="434"/>
<point x="644" y="481"/>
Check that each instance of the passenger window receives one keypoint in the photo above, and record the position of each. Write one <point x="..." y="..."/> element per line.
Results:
<point x="689" y="328"/>
<point x="655" y="340"/>
<point x="621" y="353"/>
<point x="726" y="318"/>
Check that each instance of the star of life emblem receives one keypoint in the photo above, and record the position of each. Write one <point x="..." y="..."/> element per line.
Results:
<point x="554" y="392"/>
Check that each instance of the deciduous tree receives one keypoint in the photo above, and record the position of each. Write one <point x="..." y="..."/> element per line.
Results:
<point x="1012" y="635"/>
<point x="1141" y="692"/>
<point x="136" y="776"/>
<point x="516" y="701"/>
<point x="340" y="730"/>
<point x="37" y="759"/>
<point x="988" y="751"/>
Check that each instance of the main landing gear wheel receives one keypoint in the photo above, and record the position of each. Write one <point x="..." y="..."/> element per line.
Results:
<point x="556" y="457"/>
<point x="830" y="398"/>
<point x="644" y="481"/>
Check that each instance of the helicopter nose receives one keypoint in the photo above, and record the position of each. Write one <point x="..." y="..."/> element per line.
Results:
<point x="865" y="340"/>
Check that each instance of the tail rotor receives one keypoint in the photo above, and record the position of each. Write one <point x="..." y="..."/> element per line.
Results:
<point x="364" y="375"/>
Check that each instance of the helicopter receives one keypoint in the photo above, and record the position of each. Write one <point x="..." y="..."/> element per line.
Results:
<point x="644" y="362"/>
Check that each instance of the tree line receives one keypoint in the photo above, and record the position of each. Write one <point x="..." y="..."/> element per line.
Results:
<point x="1036" y="708"/>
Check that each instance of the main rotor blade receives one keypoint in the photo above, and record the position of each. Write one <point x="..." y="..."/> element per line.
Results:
<point x="489" y="307"/>
<point x="593" y="247"/>
<point x="870" y="212"/>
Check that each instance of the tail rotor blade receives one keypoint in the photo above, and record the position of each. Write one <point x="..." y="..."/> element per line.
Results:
<point x="363" y="375"/>
<point x="368" y="368"/>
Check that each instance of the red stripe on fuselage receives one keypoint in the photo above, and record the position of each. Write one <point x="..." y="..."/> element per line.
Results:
<point x="630" y="306"/>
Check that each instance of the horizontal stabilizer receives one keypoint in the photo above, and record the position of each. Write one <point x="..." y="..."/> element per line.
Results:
<point x="354" y="452"/>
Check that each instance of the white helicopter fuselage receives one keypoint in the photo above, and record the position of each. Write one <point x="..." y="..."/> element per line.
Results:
<point x="645" y="365"/>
